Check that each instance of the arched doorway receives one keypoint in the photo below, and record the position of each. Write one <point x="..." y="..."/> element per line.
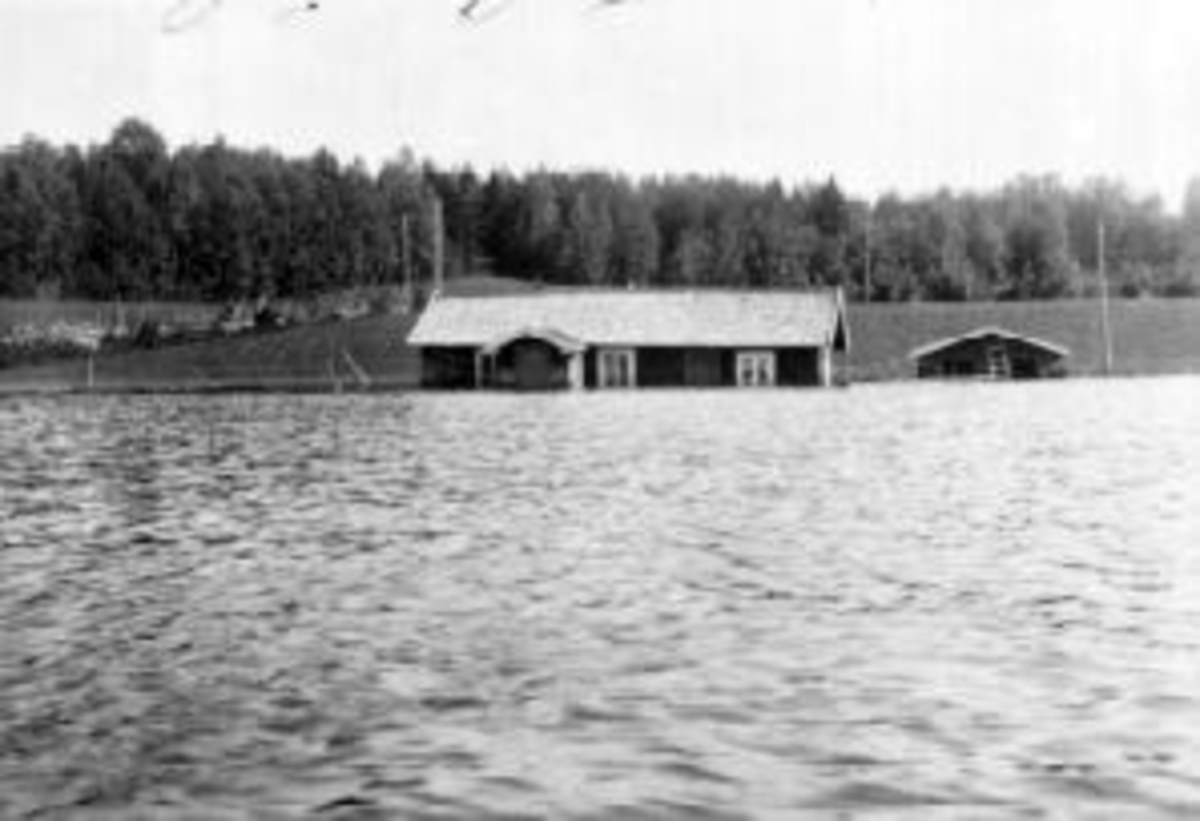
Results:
<point x="534" y="361"/>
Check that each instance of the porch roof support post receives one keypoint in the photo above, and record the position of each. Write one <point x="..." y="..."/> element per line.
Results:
<point x="825" y="366"/>
<point x="479" y="368"/>
<point x="575" y="371"/>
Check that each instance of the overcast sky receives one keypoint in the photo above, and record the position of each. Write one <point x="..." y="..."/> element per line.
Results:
<point x="883" y="94"/>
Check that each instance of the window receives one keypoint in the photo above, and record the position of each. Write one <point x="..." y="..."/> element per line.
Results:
<point x="617" y="368"/>
<point x="755" y="369"/>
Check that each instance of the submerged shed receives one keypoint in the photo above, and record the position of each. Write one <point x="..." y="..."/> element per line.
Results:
<point x="625" y="339"/>
<point x="990" y="353"/>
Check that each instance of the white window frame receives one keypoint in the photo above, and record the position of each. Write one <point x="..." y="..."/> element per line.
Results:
<point x="762" y="369"/>
<point x="607" y="371"/>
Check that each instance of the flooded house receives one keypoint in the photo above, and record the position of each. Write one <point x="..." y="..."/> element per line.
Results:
<point x="990" y="353"/>
<point x="632" y="338"/>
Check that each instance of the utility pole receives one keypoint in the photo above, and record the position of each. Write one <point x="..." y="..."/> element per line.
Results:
<point x="406" y="262"/>
<point x="1105" y="318"/>
<point x="439" y="247"/>
<point x="867" y="253"/>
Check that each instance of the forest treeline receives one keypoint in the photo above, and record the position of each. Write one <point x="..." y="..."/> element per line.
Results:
<point x="131" y="219"/>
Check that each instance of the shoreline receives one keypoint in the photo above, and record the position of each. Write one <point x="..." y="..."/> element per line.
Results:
<point x="46" y="389"/>
<point x="371" y="355"/>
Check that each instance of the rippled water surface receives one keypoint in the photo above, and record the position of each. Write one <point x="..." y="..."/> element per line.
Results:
<point x="900" y="601"/>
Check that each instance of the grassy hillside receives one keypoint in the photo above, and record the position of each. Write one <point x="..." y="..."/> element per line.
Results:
<point x="1149" y="336"/>
<point x="361" y="354"/>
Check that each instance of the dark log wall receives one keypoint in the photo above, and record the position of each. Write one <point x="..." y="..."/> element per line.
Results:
<point x="448" y="367"/>
<point x="591" y="375"/>
<point x="728" y="367"/>
<point x="1032" y="362"/>
<point x="710" y="367"/>
<point x="656" y="367"/>
<point x="798" y="366"/>
<point x="661" y="367"/>
<point x="706" y="368"/>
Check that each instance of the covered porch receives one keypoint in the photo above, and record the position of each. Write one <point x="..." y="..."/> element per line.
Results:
<point x="532" y="359"/>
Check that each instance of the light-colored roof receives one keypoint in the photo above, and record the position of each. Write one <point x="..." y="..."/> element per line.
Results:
<point x="983" y="333"/>
<point x="556" y="338"/>
<point x="650" y="318"/>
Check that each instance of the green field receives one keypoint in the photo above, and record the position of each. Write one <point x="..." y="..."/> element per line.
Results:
<point x="1150" y="337"/>
<point x="362" y="354"/>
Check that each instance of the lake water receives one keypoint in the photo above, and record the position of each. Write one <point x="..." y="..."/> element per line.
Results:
<point x="902" y="601"/>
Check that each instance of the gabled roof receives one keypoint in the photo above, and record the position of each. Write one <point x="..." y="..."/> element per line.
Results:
<point x="984" y="333"/>
<point x="648" y="318"/>
<point x="564" y="343"/>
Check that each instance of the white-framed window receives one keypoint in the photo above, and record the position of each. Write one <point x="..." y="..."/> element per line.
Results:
<point x="616" y="368"/>
<point x="755" y="369"/>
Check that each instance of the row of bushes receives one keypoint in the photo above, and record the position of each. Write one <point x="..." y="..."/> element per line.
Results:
<point x="30" y="344"/>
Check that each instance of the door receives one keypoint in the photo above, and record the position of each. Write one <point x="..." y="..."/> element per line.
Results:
<point x="702" y="368"/>
<point x="537" y="366"/>
<point x="617" y="368"/>
<point x="755" y="369"/>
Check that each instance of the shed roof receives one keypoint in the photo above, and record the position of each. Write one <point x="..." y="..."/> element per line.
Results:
<point x="984" y="333"/>
<point x="648" y="318"/>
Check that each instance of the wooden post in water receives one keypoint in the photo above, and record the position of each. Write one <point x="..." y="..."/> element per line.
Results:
<point x="335" y="384"/>
<point x="1105" y="318"/>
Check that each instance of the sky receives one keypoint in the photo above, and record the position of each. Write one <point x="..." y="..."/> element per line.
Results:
<point x="883" y="95"/>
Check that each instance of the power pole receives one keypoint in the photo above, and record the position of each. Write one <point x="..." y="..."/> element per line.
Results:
<point x="439" y="247"/>
<point x="406" y="262"/>
<point x="1105" y="318"/>
<point x="867" y="254"/>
